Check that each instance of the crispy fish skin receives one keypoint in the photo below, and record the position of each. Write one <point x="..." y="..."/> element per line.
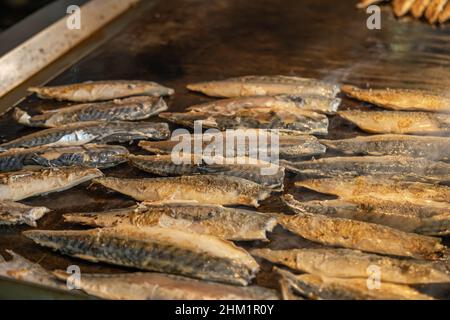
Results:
<point x="160" y="286"/>
<point x="20" y="185"/>
<point x="400" y="122"/>
<point x="362" y="236"/>
<point x="129" y="109"/>
<point x="155" y="249"/>
<point x="433" y="148"/>
<point x="434" y="9"/>
<point x="221" y="190"/>
<point x="249" y="86"/>
<point x="419" y="7"/>
<point x="227" y="223"/>
<point x="101" y="90"/>
<point x="13" y="213"/>
<point x="77" y="134"/>
<point x="402" y="7"/>
<point x="445" y="14"/>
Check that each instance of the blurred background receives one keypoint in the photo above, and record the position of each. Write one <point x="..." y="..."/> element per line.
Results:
<point x="12" y="11"/>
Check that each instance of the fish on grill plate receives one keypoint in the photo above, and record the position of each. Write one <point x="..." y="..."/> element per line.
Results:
<point x="434" y="10"/>
<point x="418" y="8"/>
<point x="13" y="213"/>
<point x="402" y="7"/>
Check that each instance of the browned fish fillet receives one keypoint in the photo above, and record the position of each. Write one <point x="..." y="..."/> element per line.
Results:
<point x="419" y="7"/>
<point x="434" y="10"/>
<point x="445" y="14"/>
<point x="402" y="7"/>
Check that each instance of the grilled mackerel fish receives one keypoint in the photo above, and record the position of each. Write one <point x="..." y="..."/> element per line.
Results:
<point x="211" y="189"/>
<point x="433" y="148"/>
<point x="13" y="213"/>
<point x="400" y="122"/>
<point x="264" y="173"/>
<point x="91" y="132"/>
<point x="129" y="109"/>
<point x="101" y="90"/>
<point x="345" y="263"/>
<point x="20" y="185"/>
<point x="265" y="86"/>
<point x="160" y="286"/>
<point x="227" y="223"/>
<point x="90" y="155"/>
<point x="155" y="249"/>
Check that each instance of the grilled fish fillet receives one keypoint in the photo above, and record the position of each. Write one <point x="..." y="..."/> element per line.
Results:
<point x="419" y="7"/>
<point x="445" y="14"/>
<point x="12" y="213"/>
<point x="155" y="249"/>
<point x="434" y="9"/>
<point x="402" y="7"/>
<point x="101" y="90"/>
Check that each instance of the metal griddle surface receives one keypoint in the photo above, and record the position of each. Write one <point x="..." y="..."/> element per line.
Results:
<point x="181" y="41"/>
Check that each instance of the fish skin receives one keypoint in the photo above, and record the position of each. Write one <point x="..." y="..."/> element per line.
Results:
<point x="129" y="109"/>
<point x="419" y="7"/>
<point x="91" y="132"/>
<point x="345" y="263"/>
<point x="434" y="9"/>
<point x="325" y="288"/>
<point x="13" y="213"/>
<point x="362" y="236"/>
<point x="101" y="90"/>
<point x="221" y="190"/>
<point x="155" y="249"/>
<point x="445" y="14"/>
<point x="160" y="286"/>
<point x="227" y="223"/>
<point x="265" y="86"/>
<point x="402" y="7"/>
<point x="400" y="122"/>
<point x="90" y="155"/>
<point x="241" y="167"/>
<point x="20" y="185"/>
<point x="433" y="148"/>
<point x="392" y="167"/>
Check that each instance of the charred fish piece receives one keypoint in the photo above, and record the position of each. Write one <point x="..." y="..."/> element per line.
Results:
<point x="20" y="185"/>
<point x="91" y="132"/>
<point x="101" y="90"/>
<point x="155" y="249"/>
<point x="345" y="263"/>
<point x="129" y="109"/>
<point x="402" y="7"/>
<point x="401" y="122"/>
<point x="434" y="10"/>
<point x="433" y="148"/>
<point x="227" y="223"/>
<point x="211" y="189"/>
<point x="393" y="167"/>
<point x="13" y="213"/>
<point x="419" y="7"/>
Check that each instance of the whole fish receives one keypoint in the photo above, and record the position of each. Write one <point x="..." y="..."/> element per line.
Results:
<point x="134" y="108"/>
<point x="345" y="263"/>
<point x="264" y="173"/>
<point x="209" y="189"/>
<point x="12" y="213"/>
<point x="349" y="188"/>
<point x="101" y="90"/>
<point x="227" y="223"/>
<point x="327" y="288"/>
<point x="445" y="14"/>
<point x="434" y="10"/>
<point x="160" y="286"/>
<point x="401" y="99"/>
<point x="297" y="121"/>
<point x="428" y="219"/>
<point x="155" y="249"/>
<point x="77" y="134"/>
<point x="401" y="122"/>
<point x="393" y="167"/>
<point x="20" y="185"/>
<point x="90" y="155"/>
<point x="433" y="148"/>
<point x="402" y="7"/>
<point x="277" y="103"/>
<point x="364" y="236"/>
<point x="265" y="86"/>
<point x="418" y="8"/>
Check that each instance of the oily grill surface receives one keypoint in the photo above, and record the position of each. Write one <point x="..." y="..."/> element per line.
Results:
<point x="181" y="41"/>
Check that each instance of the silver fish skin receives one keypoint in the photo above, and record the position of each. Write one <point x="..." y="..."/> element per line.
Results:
<point x="20" y="185"/>
<point x="392" y="167"/>
<point x="227" y="223"/>
<point x="265" y="86"/>
<point x="211" y="189"/>
<point x="13" y="213"/>
<point x="188" y="164"/>
<point x="101" y="90"/>
<point x="345" y="263"/>
<point x="91" y="132"/>
<point x="160" y="286"/>
<point x="90" y="155"/>
<point x="129" y="109"/>
<point x="433" y="148"/>
<point x="155" y="249"/>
